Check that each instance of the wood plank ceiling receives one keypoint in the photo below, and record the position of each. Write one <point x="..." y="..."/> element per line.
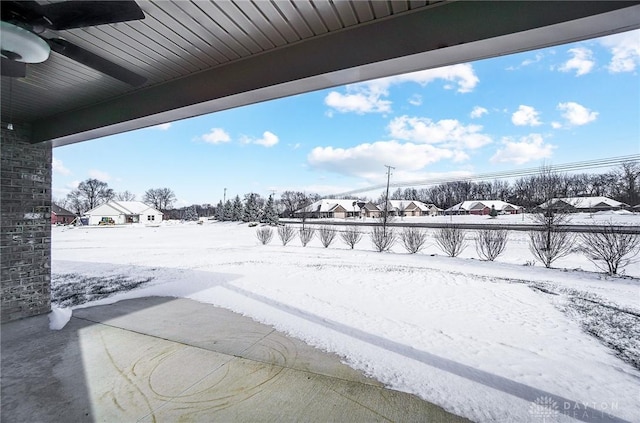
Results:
<point x="176" y="39"/>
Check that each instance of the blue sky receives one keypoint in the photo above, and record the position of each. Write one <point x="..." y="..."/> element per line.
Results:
<point x="557" y="105"/>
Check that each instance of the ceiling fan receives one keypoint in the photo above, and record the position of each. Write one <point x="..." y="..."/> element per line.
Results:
<point x="24" y="22"/>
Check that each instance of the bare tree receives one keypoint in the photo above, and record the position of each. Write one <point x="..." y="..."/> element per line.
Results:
<point x="451" y="239"/>
<point x="89" y="195"/>
<point x="552" y="241"/>
<point x="550" y="244"/>
<point x="125" y="196"/>
<point x="609" y="248"/>
<point x="286" y="234"/>
<point x="326" y="234"/>
<point x="159" y="198"/>
<point x="491" y="242"/>
<point x="413" y="239"/>
<point x="383" y="240"/>
<point x="264" y="235"/>
<point x="351" y="236"/>
<point x="306" y="235"/>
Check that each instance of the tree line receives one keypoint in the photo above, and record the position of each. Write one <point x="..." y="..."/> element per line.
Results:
<point x="621" y="184"/>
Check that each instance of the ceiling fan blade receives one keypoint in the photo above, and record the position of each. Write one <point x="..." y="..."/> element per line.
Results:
<point x="22" y="11"/>
<point x="80" y="14"/>
<point x="96" y="62"/>
<point x="13" y="69"/>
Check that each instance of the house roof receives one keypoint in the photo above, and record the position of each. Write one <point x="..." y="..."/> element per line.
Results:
<point x="481" y="204"/>
<point x="586" y="202"/>
<point x="328" y="205"/>
<point x="59" y="211"/>
<point x="401" y="205"/>
<point x="122" y="207"/>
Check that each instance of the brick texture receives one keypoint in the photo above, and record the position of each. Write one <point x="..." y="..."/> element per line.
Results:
<point x="25" y="225"/>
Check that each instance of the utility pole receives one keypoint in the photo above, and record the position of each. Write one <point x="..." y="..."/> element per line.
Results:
<point x="224" y="198"/>
<point x="386" y="202"/>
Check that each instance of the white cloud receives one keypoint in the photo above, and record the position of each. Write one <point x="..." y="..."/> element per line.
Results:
<point x="449" y="133"/>
<point x="529" y="148"/>
<point x="268" y="139"/>
<point x="526" y="116"/>
<point x="556" y="125"/>
<point x="415" y="100"/>
<point x="58" y="167"/>
<point x="163" y="126"/>
<point x="576" y="114"/>
<point x="216" y="136"/>
<point x="368" y="160"/>
<point x="625" y="51"/>
<point x="538" y="57"/>
<point x="478" y="111"/>
<point x="357" y="102"/>
<point x="582" y="61"/>
<point x="369" y="97"/>
<point x="99" y="175"/>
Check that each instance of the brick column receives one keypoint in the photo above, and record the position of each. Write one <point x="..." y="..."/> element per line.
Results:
<point x="25" y="225"/>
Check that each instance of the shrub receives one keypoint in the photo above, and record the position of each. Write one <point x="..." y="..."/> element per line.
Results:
<point x="550" y="244"/>
<point x="351" y="236"/>
<point x="326" y="235"/>
<point x="451" y="240"/>
<point x="491" y="243"/>
<point x="381" y="240"/>
<point x="286" y="234"/>
<point x="609" y="248"/>
<point x="306" y="235"/>
<point x="413" y="239"/>
<point x="264" y="235"/>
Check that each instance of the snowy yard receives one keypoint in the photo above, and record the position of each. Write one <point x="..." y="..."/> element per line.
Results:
<point x="491" y="341"/>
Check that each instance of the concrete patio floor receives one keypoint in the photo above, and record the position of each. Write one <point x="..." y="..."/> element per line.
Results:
<point x="166" y="359"/>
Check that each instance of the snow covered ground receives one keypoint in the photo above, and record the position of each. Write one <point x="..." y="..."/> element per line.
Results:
<point x="491" y="341"/>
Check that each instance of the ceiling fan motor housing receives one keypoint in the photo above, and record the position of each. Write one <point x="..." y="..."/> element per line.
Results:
<point x="21" y="45"/>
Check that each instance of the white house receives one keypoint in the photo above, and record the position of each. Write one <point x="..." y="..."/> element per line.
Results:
<point x="411" y="208"/>
<point x="338" y="209"/>
<point x="122" y="212"/>
<point x="483" y="207"/>
<point x="583" y="204"/>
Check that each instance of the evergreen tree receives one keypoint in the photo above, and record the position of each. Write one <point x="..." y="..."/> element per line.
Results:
<point x="270" y="215"/>
<point x="220" y="211"/>
<point x="251" y="207"/>
<point x="228" y="211"/>
<point x="190" y="214"/>
<point x="238" y="209"/>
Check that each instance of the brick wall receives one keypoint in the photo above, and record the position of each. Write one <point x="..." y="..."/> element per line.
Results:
<point x="25" y="226"/>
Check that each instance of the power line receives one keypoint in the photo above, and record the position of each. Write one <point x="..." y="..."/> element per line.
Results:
<point x="567" y="167"/>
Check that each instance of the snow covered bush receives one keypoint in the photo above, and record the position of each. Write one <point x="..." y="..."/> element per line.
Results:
<point x="264" y="235"/>
<point x="286" y="234"/>
<point x="306" y="235"/>
<point x="326" y="234"/>
<point x="382" y="239"/>
<point x="351" y="236"/>
<point x="609" y="248"/>
<point x="413" y="239"/>
<point x="451" y="239"/>
<point x="491" y="243"/>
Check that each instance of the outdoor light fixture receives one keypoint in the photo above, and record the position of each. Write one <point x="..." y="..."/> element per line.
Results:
<point x="22" y="46"/>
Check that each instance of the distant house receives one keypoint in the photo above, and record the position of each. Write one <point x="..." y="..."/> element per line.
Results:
<point x="636" y="208"/>
<point x="123" y="212"/>
<point x="583" y="204"/>
<point x="411" y="208"/>
<point x="60" y="216"/>
<point x="332" y="208"/>
<point x="483" y="207"/>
